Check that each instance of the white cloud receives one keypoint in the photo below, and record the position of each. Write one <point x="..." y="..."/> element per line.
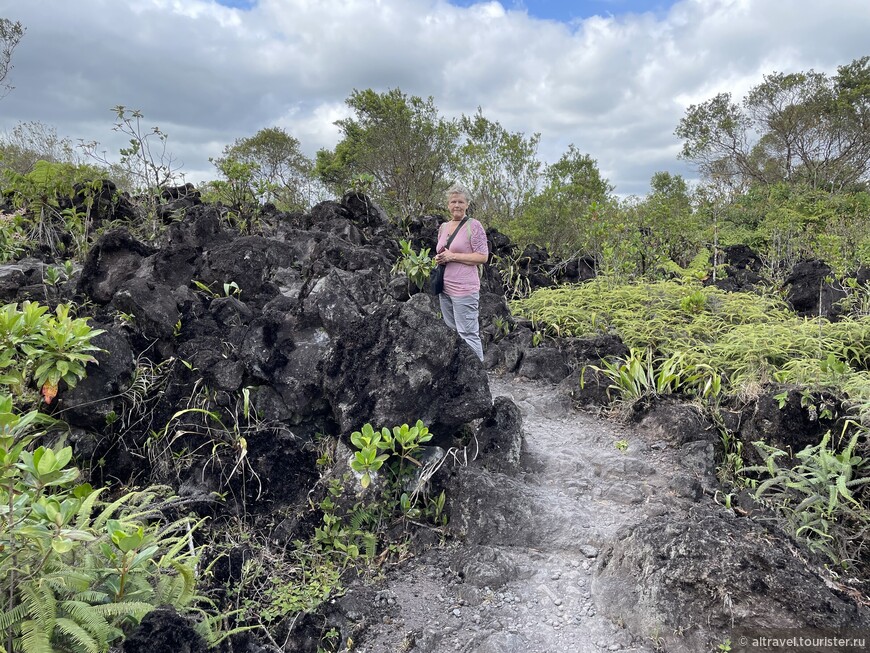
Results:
<point x="616" y="86"/>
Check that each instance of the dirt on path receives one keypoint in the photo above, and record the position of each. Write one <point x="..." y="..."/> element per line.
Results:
<point x="521" y="580"/>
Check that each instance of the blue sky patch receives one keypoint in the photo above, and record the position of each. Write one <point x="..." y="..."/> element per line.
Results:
<point x="237" y="4"/>
<point x="569" y="10"/>
<point x="561" y="10"/>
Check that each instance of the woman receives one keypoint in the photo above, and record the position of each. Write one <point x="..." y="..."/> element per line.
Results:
<point x="459" y="301"/>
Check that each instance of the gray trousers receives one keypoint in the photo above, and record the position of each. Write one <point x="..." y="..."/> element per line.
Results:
<point x="461" y="314"/>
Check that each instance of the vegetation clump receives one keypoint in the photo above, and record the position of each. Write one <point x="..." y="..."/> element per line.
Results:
<point x="745" y="339"/>
<point x="76" y="571"/>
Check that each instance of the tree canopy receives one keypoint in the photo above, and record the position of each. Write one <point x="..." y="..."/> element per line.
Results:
<point x="563" y="217"/>
<point x="280" y="172"/>
<point x="10" y="34"/>
<point x="801" y="127"/>
<point x="501" y="168"/>
<point x="399" y="144"/>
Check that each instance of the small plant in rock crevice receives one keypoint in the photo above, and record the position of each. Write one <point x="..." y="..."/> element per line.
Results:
<point x="643" y="374"/>
<point x="358" y="529"/>
<point x="230" y="289"/>
<point x="405" y="477"/>
<point x="730" y="470"/>
<point x="400" y="445"/>
<point x="502" y="327"/>
<point x="415" y="265"/>
<point x="514" y="275"/>
<point x="819" y="495"/>
<point x="393" y="456"/>
<point x="205" y="430"/>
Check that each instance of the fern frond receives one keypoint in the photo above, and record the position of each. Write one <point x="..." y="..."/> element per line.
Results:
<point x="34" y="639"/>
<point x="88" y="618"/>
<point x="41" y="606"/>
<point x="359" y="517"/>
<point x="183" y="538"/>
<point x="806" y="503"/>
<point x="83" y="517"/>
<point x="769" y="483"/>
<point x="13" y="616"/>
<point x="67" y="581"/>
<point x="135" y="609"/>
<point x="168" y="589"/>
<point x="91" y="597"/>
<point x="141" y="501"/>
<point x="210" y="628"/>
<point x="188" y="589"/>
<point x="108" y="512"/>
<point x="133" y="505"/>
<point x="82" y="639"/>
<point x="176" y="589"/>
<point x="371" y="543"/>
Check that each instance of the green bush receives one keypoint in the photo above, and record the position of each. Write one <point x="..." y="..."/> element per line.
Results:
<point x="415" y="265"/>
<point x="76" y="572"/>
<point x="39" y="193"/>
<point x="818" y="495"/>
<point x="44" y="349"/>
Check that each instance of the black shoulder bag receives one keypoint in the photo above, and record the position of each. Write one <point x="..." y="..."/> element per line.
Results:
<point x="436" y="277"/>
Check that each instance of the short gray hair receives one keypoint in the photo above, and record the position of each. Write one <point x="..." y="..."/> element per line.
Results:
<point x="459" y="189"/>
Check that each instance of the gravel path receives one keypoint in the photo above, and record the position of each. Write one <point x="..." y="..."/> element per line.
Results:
<point x="525" y="583"/>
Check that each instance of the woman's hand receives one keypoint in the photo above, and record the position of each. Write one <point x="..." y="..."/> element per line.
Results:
<point x="444" y="257"/>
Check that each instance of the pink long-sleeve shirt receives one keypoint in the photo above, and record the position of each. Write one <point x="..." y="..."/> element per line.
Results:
<point x="461" y="279"/>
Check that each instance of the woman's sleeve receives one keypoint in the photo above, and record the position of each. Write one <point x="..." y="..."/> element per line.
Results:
<point x="478" y="239"/>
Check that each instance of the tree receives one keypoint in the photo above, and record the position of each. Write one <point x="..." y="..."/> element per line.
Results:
<point x="669" y="228"/>
<point x="147" y="165"/>
<point x="803" y="128"/>
<point x="398" y="142"/>
<point x="569" y="215"/>
<point x="10" y="35"/>
<point x="34" y="141"/>
<point x="501" y="168"/>
<point x="280" y="172"/>
<point x="236" y="191"/>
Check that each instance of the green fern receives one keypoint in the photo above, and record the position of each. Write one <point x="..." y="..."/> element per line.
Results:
<point x="34" y="639"/>
<point x="41" y="606"/>
<point x="13" y="616"/>
<point x="360" y="516"/>
<point x="370" y="543"/>
<point x="88" y="618"/>
<point x="82" y="640"/>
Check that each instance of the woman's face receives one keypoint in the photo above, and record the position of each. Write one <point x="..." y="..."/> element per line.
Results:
<point x="457" y="205"/>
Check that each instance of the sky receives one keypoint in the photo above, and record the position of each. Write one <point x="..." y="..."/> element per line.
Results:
<point x="612" y="77"/>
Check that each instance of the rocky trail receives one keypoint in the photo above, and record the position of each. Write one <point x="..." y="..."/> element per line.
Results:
<point x="523" y="578"/>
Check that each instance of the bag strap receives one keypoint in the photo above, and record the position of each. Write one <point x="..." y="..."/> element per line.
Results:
<point x="455" y="231"/>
